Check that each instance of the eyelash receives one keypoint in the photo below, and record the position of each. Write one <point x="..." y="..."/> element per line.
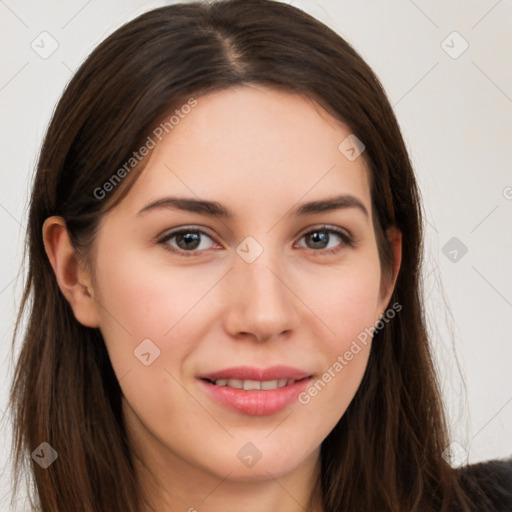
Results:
<point x="346" y="238"/>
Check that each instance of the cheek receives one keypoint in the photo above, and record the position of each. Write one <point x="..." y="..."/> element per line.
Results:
<point x="346" y="301"/>
<point x="139" y="300"/>
<point x="152" y="318"/>
<point x="348" y="305"/>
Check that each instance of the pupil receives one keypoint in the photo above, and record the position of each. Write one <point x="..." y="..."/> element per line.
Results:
<point x="319" y="237"/>
<point x="188" y="238"/>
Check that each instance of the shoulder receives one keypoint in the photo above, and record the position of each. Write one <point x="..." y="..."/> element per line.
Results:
<point x="488" y="484"/>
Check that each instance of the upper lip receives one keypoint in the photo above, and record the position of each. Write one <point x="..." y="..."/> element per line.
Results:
<point x="253" y="373"/>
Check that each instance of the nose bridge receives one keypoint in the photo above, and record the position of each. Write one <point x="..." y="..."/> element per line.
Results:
<point x="267" y="252"/>
<point x="259" y="267"/>
<point x="260" y="302"/>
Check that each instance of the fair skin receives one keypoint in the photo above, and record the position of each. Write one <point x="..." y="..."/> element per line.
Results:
<point x="261" y="153"/>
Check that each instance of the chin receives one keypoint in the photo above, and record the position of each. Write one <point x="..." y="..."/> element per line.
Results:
<point x="258" y="461"/>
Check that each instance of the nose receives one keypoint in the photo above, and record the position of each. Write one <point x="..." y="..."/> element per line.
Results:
<point x="260" y="303"/>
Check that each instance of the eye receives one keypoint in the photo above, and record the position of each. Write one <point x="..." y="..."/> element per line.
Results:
<point x="186" y="241"/>
<point x="191" y="241"/>
<point x="319" y="240"/>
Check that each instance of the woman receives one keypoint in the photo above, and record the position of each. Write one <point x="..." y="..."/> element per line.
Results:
<point x="285" y="364"/>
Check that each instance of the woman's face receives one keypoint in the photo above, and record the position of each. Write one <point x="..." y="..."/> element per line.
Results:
<point x="269" y="293"/>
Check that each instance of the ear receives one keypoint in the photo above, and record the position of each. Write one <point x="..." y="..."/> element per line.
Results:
<point x="394" y="236"/>
<point x="73" y="281"/>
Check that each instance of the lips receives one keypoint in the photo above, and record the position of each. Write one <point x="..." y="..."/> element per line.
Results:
<point x="255" y="391"/>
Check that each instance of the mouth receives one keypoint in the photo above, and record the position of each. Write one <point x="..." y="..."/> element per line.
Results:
<point x="254" y="391"/>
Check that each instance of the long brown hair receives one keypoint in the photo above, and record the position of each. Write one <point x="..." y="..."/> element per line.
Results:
<point x="385" y="453"/>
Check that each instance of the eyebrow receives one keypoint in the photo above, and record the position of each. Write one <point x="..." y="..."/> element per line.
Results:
<point x="215" y="209"/>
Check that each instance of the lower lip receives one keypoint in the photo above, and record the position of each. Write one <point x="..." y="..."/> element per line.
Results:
<point x="254" y="402"/>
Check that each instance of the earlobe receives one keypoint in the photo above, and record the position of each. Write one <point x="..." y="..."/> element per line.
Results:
<point x="72" y="280"/>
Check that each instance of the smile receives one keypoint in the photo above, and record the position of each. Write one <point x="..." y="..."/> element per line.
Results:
<point x="255" y="391"/>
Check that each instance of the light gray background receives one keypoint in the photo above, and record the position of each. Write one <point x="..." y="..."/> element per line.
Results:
<point x="456" y="118"/>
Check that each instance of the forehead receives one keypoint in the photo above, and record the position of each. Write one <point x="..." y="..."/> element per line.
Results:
<point x="252" y="147"/>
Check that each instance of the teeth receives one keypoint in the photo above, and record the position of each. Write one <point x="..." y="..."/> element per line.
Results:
<point x="252" y="384"/>
<point x="269" y="384"/>
<point x="249" y="385"/>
